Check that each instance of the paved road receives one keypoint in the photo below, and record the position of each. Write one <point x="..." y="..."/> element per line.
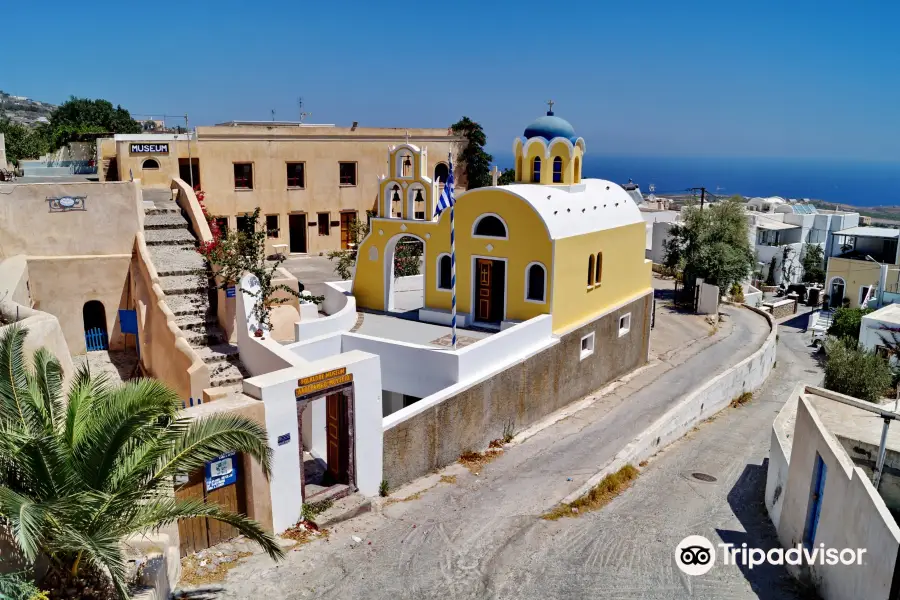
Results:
<point x="626" y="550"/>
<point x="482" y="536"/>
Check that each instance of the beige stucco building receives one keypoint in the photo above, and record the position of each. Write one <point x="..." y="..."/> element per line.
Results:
<point x="309" y="181"/>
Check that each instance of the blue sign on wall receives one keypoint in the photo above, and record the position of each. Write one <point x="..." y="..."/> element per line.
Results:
<point x="230" y="291"/>
<point x="128" y="321"/>
<point x="221" y="471"/>
<point x="284" y="438"/>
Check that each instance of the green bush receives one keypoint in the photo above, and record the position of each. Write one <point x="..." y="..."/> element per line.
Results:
<point x="855" y="372"/>
<point x="846" y="322"/>
<point x="737" y="293"/>
<point x="15" y="586"/>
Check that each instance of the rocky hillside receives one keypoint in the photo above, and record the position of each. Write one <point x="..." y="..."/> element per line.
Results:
<point x="20" y="109"/>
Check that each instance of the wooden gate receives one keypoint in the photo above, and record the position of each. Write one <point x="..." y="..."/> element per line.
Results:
<point x="201" y="533"/>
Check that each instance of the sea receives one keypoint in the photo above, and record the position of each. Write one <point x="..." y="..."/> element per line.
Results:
<point x="845" y="182"/>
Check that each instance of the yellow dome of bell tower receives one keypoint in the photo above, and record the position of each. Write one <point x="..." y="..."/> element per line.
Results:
<point x="550" y="154"/>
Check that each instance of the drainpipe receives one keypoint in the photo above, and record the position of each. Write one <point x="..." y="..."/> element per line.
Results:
<point x="882" y="283"/>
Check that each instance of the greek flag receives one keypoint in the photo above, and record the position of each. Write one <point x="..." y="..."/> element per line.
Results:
<point x="446" y="200"/>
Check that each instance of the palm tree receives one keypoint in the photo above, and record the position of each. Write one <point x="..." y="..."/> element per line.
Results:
<point x="80" y="472"/>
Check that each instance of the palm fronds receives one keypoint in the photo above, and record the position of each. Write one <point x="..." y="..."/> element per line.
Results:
<point x="83" y="469"/>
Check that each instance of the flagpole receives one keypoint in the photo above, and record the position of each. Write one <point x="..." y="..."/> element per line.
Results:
<point x="453" y="270"/>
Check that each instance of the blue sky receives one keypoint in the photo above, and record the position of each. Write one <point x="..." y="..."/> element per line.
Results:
<point x="793" y="79"/>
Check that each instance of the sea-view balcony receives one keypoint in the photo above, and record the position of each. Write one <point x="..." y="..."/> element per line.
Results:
<point x="878" y="244"/>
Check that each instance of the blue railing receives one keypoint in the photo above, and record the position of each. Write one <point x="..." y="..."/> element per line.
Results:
<point x="95" y="339"/>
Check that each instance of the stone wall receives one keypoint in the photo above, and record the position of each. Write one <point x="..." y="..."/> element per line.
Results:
<point x="519" y="395"/>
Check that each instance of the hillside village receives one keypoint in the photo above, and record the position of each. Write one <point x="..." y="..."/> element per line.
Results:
<point x="341" y="344"/>
<point x="25" y="111"/>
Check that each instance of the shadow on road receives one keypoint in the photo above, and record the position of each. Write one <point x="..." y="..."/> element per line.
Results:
<point x="747" y="501"/>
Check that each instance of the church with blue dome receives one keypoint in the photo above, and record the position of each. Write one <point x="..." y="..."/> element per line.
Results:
<point x="550" y="153"/>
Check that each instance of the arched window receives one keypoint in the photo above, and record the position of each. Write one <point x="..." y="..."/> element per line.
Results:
<point x="536" y="283"/>
<point x="591" y="271"/>
<point x="577" y="170"/>
<point x="444" y="281"/>
<point x="151" y="164"/>
<point x="557" y="169"/>
<point x="599" y="274"/>
<point x="536" y="169"/>
<point x="490" y="226"/>
<point x="441" y="172"/>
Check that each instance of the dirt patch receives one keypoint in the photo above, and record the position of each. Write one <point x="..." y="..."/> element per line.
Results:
<point x="410" y="498"/>
<point x="448" y="478"/>
<point x="742" y="399"/>
<point x="197" y="570"/>
<point x="304" y="532"/>
<point x="475" y="461"/>
<point x="599" y="496"/>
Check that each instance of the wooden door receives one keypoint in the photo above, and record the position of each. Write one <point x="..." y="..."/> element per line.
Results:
<point x="192" y="533"/>
<point x="347" y="221"/>
<point x="297" y="228"/>
<point x="484" y="272"/>
<point x="333" y="424"/>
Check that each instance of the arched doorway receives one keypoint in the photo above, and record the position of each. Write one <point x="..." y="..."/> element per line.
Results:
<point x="404" y="274"/>
<point x="836" y="293"/>
<point x="95" y="334"/>
<point x="441" y="172"/>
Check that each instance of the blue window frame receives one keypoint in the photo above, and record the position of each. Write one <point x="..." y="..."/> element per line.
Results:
<point x="816" y="492"/>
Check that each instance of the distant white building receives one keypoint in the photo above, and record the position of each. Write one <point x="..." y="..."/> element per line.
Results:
<point x="776" y="225"/>
<point x="773" y="226"/>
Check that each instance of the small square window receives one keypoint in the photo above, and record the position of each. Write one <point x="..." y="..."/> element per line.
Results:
<point x="243" y="224"/>
<point x="587" y="345"/>
<point x="222" y="223"/>
<point x="272" y="226"/>
<point x="324" y="226"/>
<point x="624" y="324"/>
<point x="347" y="173"/>
<point x="296" y="176"/>
<point x="243" y="176"/>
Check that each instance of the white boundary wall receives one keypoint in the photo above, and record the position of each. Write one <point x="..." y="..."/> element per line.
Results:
<point x="716" y="394"/>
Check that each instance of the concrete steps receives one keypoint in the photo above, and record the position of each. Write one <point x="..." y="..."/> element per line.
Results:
<point x="177" y="260"/>
<point x="215" y="353"/>
<point x="168" y="237"/>
<point x="182" y="284"/>
<point x="187" y="304"/>
<point x="183" y="276"/>
<point x="163" y="220"/>
<point x="344" y="508"/>
<point x="226" y="373"/>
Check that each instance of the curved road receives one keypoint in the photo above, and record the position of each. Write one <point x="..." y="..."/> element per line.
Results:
<point x="482" y="537"/>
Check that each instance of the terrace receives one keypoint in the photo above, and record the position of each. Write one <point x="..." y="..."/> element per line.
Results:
<point x="867" y="243"/>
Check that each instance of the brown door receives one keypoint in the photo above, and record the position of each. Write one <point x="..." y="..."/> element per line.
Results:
<point x="297" y="229"/>
<point x="337" y="433"/>
<point x="484" y="271"/>
<point x="347" y="221"/>
<point x="200" y="533"/>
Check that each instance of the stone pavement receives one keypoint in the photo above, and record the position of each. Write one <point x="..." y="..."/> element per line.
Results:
<point x="458" y="534"/>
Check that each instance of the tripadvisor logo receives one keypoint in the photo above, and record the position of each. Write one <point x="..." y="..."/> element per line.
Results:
<point x="696" y="555"/>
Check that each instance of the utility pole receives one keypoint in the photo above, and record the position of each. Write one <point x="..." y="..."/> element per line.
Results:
<point x="190" y="157"/>
<point x="702" y="191"/>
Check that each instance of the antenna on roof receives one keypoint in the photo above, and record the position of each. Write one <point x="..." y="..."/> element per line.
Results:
<point x="300" y="106"/>
<point x="273" y="115"/>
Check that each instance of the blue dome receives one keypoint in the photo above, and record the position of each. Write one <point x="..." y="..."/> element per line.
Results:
<point x="549" y="127"/>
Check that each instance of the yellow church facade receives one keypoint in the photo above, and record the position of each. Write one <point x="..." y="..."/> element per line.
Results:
<point x="551" y="243"/>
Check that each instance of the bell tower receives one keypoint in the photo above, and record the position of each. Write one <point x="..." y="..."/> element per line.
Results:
<point x="551" y="153"/>
<point x="406" y="192"/>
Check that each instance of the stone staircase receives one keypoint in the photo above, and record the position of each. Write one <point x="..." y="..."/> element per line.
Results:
<point x="183" y="276"/>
